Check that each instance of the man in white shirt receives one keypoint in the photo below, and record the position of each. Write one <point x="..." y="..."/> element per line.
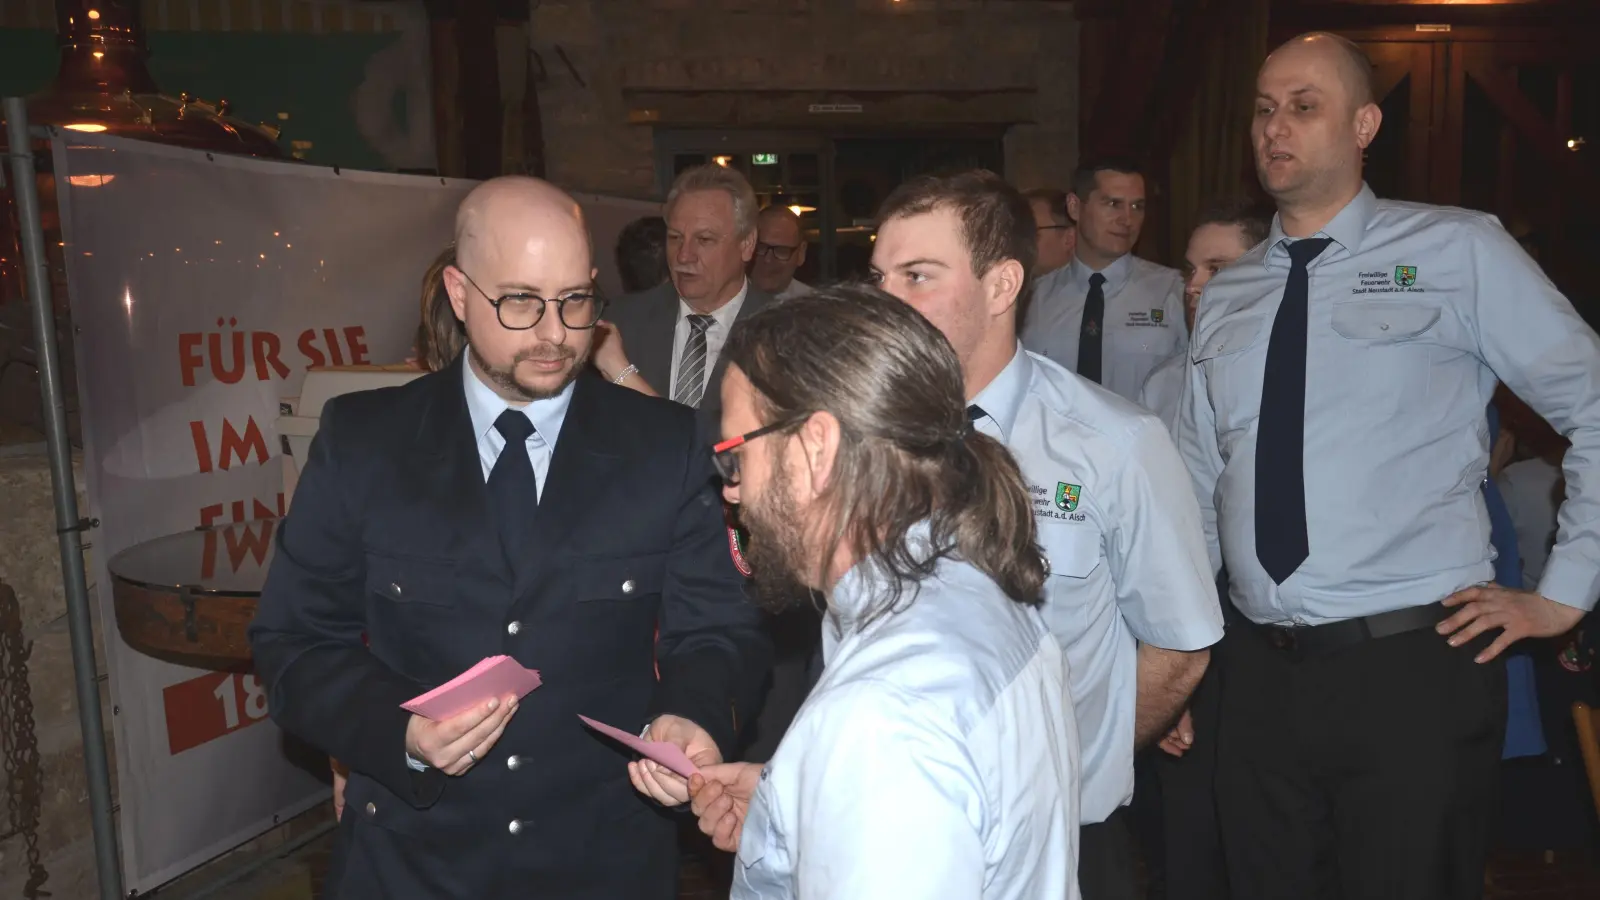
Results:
<point x="674" y="333"/>
<point x="1107" y="315"/>
<point x="780" y="252"/>
<point x="1226" y="231"/>
<point x="936" y="757"/>
<point x="1130" y="596"/>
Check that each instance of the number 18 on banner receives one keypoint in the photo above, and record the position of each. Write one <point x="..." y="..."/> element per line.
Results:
<point x="211" y="706"/>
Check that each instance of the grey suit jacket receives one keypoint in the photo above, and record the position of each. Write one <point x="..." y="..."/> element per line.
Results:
<point x="647" y="321"/>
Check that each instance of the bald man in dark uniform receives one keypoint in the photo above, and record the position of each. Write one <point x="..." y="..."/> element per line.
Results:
<point x="512" y="503"/>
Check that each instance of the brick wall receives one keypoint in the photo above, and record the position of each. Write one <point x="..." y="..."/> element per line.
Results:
<point x="758" y="63"/>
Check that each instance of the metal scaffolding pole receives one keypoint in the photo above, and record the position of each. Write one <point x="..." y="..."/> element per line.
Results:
<point x="69" y="529"/>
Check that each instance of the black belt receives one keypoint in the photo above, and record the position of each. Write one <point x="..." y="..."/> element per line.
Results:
<point x="1313" y="639"/>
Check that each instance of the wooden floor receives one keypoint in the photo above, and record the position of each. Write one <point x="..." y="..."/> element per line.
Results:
<point x="1510" y="877"/>
<point x="705" y="874"/>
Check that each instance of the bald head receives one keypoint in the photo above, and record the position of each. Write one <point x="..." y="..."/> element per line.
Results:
<point x="1350" y="63"/>
<point x="521" y="242"/>
<point x="515" y="215"/>
<point x="1314" y="119"/>
<point x="778" y="217"/>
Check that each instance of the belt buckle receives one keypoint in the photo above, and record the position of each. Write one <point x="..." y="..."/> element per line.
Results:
<point x="1284" y="639"/>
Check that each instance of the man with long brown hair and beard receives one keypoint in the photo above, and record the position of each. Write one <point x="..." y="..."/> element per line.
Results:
<point x="936" y="756"/>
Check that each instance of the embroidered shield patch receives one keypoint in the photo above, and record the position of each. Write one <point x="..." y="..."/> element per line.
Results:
<point x="1067" y="496"/>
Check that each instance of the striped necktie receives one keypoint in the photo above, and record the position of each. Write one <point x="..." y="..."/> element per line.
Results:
<point x="691" y="383"/>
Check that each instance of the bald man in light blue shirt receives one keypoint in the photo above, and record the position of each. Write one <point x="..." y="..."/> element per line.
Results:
<point x="1334" y="425"/>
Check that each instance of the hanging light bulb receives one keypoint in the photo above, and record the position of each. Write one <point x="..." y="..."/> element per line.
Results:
<point x="103" y="85"/>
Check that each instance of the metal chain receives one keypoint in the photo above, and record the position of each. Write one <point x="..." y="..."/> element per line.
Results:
<point x="19" y="746"/>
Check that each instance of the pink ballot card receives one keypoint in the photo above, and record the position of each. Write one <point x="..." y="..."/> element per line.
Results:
<point x="669" y="755"/>
<point x="493" y="676"/>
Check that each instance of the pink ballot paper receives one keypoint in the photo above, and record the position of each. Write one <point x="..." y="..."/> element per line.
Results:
<point x="494" y="676"/>
<point x="669" y="755"/>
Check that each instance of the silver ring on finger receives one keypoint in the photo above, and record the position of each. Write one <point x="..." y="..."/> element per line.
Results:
<point x="472" y="756"/>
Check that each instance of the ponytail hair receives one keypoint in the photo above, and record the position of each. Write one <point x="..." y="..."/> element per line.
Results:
<point x="440" y="336"/>
<point x="990" y="518"/>
<point x="907" y="453"/>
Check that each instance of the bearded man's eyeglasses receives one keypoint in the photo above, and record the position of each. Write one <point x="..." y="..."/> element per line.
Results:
<point x="727" y="462"/>
<point x="578" y="310"/>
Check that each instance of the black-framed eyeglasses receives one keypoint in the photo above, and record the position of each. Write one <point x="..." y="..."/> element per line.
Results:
<point x="519" y="312"/>
<point x="727" y="462"/>
<point x="778" y="252"/>
<point x="1052" y="227"/>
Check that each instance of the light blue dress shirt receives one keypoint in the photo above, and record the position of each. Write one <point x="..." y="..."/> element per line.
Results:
<point x="1163" y="390"/>
<point x="1414" y="311"/>
<point x="1143" y="319"/>
<point x="547" y="415"/>
<point x="936" y="757"/>
<point x="1533" y="489"/>
<point x="1122" y="534"/>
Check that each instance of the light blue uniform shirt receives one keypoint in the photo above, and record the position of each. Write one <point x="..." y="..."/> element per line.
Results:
<point x="1143" y="319"/>
<point x="935" y="758"/>
<point x="1120" y="528"/>
<point x="1414" y="311"/>
<point x="1533" y="491"/>
<point x="1163" y="390"/>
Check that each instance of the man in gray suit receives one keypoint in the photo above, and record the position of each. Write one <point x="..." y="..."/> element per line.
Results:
<point x="674" y="333"/>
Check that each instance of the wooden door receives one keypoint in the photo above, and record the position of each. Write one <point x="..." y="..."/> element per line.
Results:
<point x="1504" y="120"/>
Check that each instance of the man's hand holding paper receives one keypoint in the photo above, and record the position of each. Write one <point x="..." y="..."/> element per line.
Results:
<point x="453" y="745"/>
<point x="657" y="781"/>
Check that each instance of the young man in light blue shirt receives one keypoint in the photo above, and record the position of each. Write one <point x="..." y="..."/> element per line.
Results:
<point x="1130" y="596"/>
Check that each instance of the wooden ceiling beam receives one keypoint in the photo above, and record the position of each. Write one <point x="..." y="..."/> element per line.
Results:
<point x="1305" y="15"/>
<point x="1532" y="126"/>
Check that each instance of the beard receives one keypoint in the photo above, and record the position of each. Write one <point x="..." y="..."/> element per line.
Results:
<point x="506" y="378"/>
<point x="776" y="548"/>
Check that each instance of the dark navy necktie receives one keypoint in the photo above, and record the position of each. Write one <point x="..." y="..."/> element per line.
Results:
<point x="1282" y="542"/>
<point x="1092" y="328"/>
<point x="513" y="489"/>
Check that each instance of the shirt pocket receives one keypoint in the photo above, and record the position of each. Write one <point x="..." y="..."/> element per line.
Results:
<point x="410" y="580"/>
<point x="612" y="581"/>
<point x="1383" y="322"/>
<point x="615" y="603"/>
<point x="1232" y="356"/>
<point x="1071" y="550"/>
<point x="1135" y="351"/>
<point x="1387" y="352"/>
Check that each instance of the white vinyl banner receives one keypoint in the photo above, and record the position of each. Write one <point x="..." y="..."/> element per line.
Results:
<point x="202" y="287"/>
